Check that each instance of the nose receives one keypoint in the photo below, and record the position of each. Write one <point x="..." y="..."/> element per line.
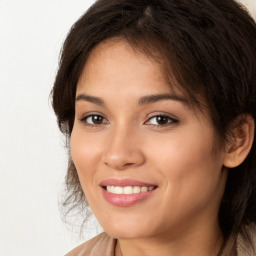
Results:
<point x="124" y="150"/>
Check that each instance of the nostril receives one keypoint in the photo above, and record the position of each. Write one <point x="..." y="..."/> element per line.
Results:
<point x="128" y="164"/>
<point x="123" y="160"/>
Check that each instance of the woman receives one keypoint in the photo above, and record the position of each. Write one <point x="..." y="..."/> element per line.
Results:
<point x="157" y="99"/>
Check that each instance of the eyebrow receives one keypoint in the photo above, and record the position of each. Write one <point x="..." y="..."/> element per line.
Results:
<point x="159" y="97"/>
<point x="142" y="101"/>
<point x="92" y="99"/>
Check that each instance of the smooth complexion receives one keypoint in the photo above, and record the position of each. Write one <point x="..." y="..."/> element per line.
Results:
<point x="130" y="127"/>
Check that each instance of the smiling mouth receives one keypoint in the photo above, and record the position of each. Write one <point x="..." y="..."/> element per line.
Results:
<point x="128" y="190"/>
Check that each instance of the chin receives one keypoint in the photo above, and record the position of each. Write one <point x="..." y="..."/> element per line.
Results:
<point x="127" y="229"/>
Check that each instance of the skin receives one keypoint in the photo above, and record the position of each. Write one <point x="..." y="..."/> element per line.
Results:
<point x="129" y="143"/>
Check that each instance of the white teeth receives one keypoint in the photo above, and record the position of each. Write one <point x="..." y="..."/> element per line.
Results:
<point x="136" y="190"/>
<point x="144" y="189"/>
<point x="128" y="190"/>
<point x="119" y="190"/>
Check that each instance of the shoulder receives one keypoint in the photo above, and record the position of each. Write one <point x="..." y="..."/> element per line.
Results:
<point x="97" y="246"/>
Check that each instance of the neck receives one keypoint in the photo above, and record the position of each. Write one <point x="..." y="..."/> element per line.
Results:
<point x="200" y="243"/>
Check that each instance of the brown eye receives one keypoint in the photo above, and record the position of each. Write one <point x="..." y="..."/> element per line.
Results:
<point x="161" y="120"/>
<point x="97" y="119"/>
<point x="94" y="120"/>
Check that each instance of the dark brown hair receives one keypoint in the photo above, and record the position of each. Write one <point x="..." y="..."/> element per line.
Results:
<point x="209" y="47"/>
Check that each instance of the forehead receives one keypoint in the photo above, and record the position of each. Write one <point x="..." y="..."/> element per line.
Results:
<point x="115" y="66"/>
<point x="117" y="72"/>
<point x="116" y="60"/>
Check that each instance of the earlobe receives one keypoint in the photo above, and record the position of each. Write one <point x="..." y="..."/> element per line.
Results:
<point x="241" y="142"/>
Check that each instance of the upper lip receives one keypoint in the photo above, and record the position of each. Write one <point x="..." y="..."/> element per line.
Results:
<point x="125" y="182"/>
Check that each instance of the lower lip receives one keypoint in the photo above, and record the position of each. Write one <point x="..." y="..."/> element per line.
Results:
<point x="125" y="200"/>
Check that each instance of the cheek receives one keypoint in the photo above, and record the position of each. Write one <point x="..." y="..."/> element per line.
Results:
<point x="188" y="165"/>
<point x="85" y="153"/>
<point x="182" y="153"/>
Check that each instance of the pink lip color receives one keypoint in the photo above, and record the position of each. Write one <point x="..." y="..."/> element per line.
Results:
<point x="124" y="183"/>
<point x="125" y="200"/>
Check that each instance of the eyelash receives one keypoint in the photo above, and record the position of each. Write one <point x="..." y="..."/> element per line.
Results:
<point x="170" y="120"/>
<point x="85" y="122"/>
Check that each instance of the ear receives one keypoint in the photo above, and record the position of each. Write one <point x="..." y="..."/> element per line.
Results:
<point x="241" y="141"/>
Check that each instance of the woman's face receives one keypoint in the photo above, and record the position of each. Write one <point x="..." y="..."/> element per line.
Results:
<point x="145" y="159"/>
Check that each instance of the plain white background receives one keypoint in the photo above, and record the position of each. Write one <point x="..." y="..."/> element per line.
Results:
<point x="32" y="154"/>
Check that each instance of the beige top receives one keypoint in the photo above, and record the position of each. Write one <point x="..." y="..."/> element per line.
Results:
<point x="101" y="245"/>
<point x="104" y="245"/>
